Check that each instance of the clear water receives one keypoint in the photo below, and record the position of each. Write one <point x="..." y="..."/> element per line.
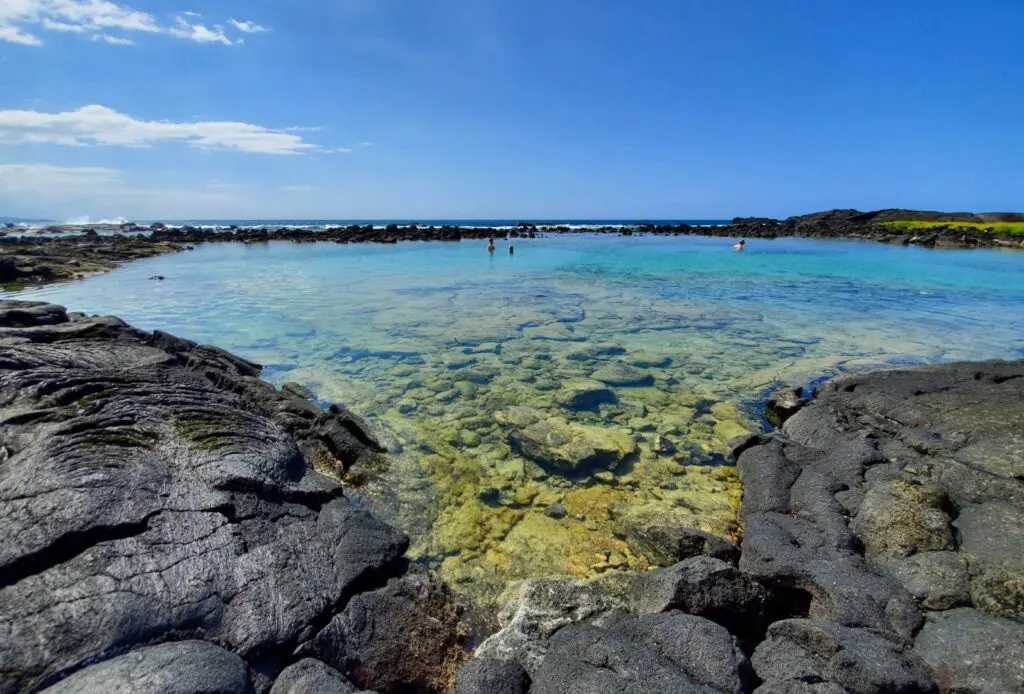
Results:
<point x="434" y="342"/>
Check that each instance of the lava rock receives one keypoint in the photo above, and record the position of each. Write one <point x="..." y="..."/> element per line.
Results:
<point x="783" y="404"/>
<point x="183" y="667"/>
<point x="666" y="538"/>
<point x="490" y="676"/>
<point x="973" y="652"/>
<point x="858" y="660"/>
<point x="405" y="637"/>
<point x="705" y="587"/>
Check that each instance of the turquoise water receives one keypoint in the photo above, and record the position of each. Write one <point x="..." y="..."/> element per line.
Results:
<point x="433" y="342"/>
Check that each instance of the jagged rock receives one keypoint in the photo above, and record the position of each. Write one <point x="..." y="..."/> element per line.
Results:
<point x="999" y="592"/>
<point x="937" y="580"/>
<point x="859" y="661"/>
<point x="666" y="538"/>
<point x="183" y="667"/>
<point x="155" y="488"/>
<point x="490" y="676"/>
<point x="405" y="637"/>
<point x="704" y="650"/>
<point x="704" y="587"/>
<point x="21" y="314"/>
<point x="542" y="607"/>
<point x="903" y="517"/>
<point x="298" y="390"/>
<point x="310" y="676"/>
<point x="972" y="652"/>
<point x="659" y="653"/>
<point x="992" y="534"/>
<point x="783" y="404"/>
<point x="623" y="375"/>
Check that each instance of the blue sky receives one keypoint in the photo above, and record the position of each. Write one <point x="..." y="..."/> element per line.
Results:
<point x="525" y="109"/>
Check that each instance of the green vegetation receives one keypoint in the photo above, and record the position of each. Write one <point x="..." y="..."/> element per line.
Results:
<point x="1011" y="228"/>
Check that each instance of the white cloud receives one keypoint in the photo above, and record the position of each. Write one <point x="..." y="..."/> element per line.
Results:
<point x="199" y="32"/>
<point x="63" y="26"/>
<point x="99" y="125"/>
<point x="13" y="34"/>
<point x="248" y="27"/>
<point x="297" y="189"/>
<point x="116" y="40"/>
<point x="96" y="16"/>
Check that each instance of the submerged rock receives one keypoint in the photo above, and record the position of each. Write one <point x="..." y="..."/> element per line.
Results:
<point x="668" y="536"/>
<point x="584" y="395"/>
<point x="624" y="375"/>
<point x="571" y="449"/>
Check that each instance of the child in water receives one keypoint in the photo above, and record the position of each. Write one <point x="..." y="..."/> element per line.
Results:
<point x="739" y="246"/>
<point x="490" y="245"/>
<point x="511" y="249"/>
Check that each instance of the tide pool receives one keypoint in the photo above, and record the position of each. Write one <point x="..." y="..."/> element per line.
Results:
<point x="546" y="410"/>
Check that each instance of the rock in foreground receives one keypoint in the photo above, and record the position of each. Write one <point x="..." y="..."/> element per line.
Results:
<point x="154" y="494"/>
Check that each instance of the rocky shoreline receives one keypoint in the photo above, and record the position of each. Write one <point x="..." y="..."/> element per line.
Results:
<point x="63" y="252"/>
<point x="173" y="524"/>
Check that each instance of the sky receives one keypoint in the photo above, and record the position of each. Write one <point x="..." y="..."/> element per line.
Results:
<point x="520" y="109"/>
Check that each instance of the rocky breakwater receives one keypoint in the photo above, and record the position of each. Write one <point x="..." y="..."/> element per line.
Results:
<point x="166" y="528"/>
<point x="883" y="551"/>
<point x="39" y="260"/>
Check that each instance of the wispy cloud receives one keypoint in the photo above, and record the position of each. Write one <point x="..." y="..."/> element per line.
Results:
<point x="20" y="18"/>
<point x="13" y="34"/>
<point x="248" y="27"/>
<point x="99" y="125"/>
<point x="115" y="40"/>
<point x="297" y="189"/>
<point x="199" y="32"/>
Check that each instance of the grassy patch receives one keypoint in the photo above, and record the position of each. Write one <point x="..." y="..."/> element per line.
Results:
<point x="1010" y="228"/>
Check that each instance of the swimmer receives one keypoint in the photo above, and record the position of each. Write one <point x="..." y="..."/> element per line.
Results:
<point x="739" y="246"/>
<point x="511" y="249"/>
<point x="490" y="245"/>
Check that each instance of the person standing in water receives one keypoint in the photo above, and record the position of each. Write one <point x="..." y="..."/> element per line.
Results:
<point x="740" y="245"/>
<point x="511" y="249"/>
<point x="490" y="245"/>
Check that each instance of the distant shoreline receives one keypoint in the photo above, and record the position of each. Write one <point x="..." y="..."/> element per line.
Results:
<point x="65" y="252"/>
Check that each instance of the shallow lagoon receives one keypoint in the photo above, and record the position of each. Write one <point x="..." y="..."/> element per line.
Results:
<point x="545" y="409"/>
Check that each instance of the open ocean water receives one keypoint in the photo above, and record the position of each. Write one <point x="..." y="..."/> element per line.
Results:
<point x="487" y="375"/>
